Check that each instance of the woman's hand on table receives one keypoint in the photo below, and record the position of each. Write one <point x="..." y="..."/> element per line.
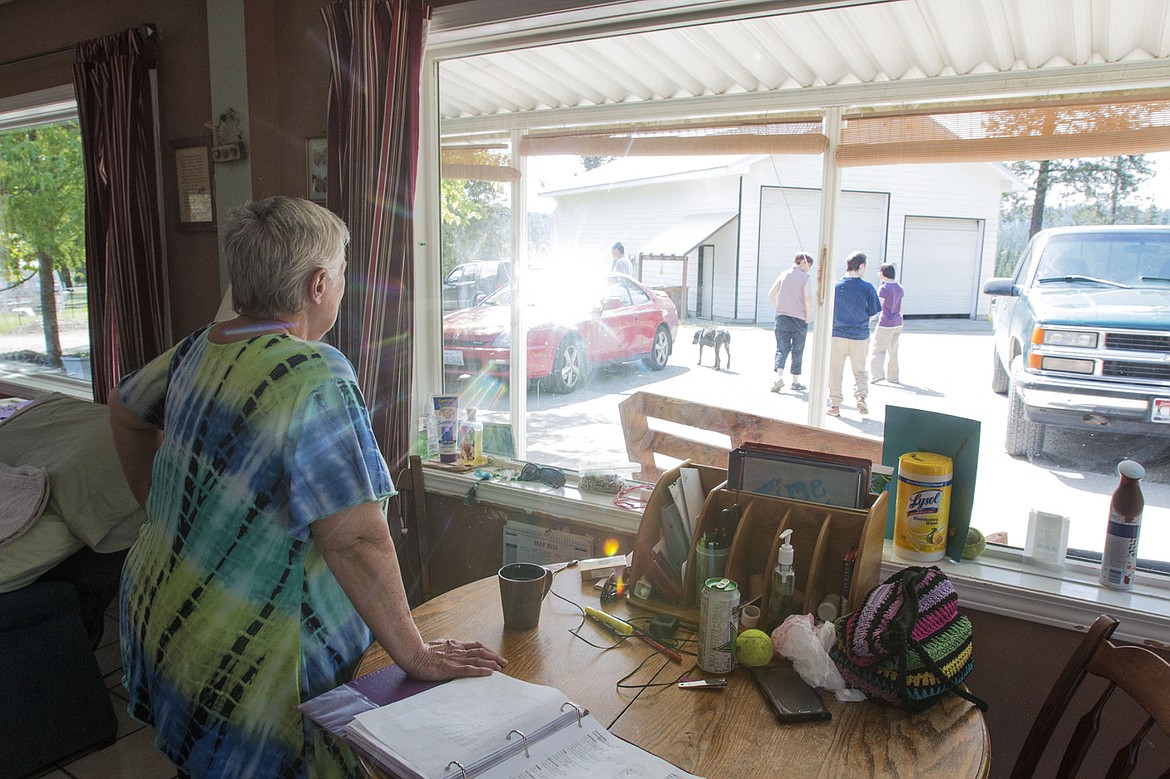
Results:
<point x="447" y="658"/>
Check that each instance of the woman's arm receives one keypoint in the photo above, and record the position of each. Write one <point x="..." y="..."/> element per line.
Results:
<point x="357" y="547"/>
<point x="136" y="443"/>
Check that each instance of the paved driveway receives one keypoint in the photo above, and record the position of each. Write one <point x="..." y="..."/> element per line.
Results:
<point x="945" y="368"/>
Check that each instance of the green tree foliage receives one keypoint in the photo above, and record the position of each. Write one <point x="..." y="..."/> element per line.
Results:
<point x="42" y="213"/>
<point x="476" y="214"/>
<point x="1090" y="190"/>
<point x="1082" y="191"/>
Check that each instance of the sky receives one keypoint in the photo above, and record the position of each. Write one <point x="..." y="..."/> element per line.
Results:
<point x="1159" y="185"/>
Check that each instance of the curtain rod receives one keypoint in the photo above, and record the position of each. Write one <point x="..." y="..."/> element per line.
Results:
<point x="147" y="31"/>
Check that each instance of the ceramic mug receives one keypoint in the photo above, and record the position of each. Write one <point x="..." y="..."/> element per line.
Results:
<point x="522" y="590"/>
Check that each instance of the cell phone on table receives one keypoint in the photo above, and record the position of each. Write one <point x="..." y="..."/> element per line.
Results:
<point x="789" y="695"/>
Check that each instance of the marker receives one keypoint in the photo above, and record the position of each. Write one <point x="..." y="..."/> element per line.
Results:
<point x="610" y="621"/>
<point x="673" y="655"/>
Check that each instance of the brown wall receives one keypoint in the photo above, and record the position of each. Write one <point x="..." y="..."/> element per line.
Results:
<point x="288" y="86"/>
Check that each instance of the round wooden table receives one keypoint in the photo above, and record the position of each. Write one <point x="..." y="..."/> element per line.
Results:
<point x="713" y="733"/>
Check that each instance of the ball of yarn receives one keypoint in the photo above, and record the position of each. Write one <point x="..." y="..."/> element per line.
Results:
<point x="753" y="647"/>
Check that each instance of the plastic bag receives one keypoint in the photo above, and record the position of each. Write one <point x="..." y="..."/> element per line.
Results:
<point x="807" y="647"/>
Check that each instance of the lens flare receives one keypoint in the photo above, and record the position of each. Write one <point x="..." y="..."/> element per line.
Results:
<point x="610" y="547"/>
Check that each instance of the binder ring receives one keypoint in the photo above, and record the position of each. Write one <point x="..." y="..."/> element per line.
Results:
<point x="580" y="712"/>
<point x="462" y="770"/>
<point x="522" y="736"/>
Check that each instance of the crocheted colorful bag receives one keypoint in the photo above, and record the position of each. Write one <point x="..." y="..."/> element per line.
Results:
<point x="907" y="644"/>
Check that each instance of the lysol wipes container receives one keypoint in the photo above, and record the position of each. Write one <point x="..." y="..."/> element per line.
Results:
<point x="923" y="506"/>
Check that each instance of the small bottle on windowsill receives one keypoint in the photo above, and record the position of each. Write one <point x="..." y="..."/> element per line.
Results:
<point x="1119" y="560"/>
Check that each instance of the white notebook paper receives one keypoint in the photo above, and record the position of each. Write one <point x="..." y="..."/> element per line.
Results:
<point x="473" y="725"/>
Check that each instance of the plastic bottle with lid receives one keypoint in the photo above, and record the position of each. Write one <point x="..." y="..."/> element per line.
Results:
<point x="783" y="583"/>
<point x="1119" y="560"/>
<point x="471" y="440"/>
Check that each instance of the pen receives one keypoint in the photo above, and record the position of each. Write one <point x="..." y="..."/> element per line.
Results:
<point x="673" y="655"/>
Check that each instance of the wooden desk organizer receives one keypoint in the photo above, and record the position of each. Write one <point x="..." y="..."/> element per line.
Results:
<point x="821" y="536"/>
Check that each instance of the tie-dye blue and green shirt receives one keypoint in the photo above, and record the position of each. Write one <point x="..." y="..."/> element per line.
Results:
<point x="229" y="615"/>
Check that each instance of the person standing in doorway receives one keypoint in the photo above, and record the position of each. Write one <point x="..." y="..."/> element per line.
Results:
<point x="791" y="296"/>
<point x="855" y="301"/>
<point x="620" y="263"/>
<point x="884" y="363"/>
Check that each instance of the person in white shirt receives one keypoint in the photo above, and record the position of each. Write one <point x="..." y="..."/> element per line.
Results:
<point x="620" y="263"/>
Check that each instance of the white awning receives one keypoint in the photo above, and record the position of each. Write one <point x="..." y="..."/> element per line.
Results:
<point x="687" y="234"/>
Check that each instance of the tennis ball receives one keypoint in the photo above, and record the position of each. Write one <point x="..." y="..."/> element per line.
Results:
<point x="975" y="544"/>
<point x="753" y="647"/>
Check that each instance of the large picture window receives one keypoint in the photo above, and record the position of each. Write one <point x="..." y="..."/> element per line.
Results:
<point x="44" y="318"/>
<point x="708" y="210"/>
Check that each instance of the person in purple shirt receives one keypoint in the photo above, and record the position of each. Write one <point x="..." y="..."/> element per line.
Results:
<point x="884" y="363"/>
<point x="854" y="302"/>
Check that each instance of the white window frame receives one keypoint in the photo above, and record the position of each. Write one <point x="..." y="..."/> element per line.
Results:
<point x="43" y="106"/>
<point x="1000" y="582"/>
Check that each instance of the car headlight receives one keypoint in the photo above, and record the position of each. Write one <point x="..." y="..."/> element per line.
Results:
<point x="503" y="340"/>
<point x="1081" y="339"/>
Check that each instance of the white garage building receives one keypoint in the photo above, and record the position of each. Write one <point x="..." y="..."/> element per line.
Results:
<point x="739" y="220"/>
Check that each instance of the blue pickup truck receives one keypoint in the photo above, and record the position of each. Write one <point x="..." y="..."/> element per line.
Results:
<point x="1082" y="334"/>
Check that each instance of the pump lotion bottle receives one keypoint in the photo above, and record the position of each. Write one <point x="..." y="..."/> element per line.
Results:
<point x="783" y="583"/>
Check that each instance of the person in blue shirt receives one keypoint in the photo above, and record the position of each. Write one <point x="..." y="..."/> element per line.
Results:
<point x="855" y="302"/>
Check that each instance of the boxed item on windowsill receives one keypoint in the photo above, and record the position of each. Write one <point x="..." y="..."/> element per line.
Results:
<point x="602" y="567"/>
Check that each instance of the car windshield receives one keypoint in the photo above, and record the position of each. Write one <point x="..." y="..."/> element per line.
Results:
<point x="1112" y="259"/>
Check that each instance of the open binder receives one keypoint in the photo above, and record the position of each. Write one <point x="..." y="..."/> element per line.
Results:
<point x="492" y="727"/>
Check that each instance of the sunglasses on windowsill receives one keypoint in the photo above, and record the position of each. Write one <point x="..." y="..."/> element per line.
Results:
<point x="553" y="477"/>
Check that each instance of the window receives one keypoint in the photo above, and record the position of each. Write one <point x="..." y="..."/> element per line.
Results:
<point x="44" y="317"/>
<point x="710" y="209"/>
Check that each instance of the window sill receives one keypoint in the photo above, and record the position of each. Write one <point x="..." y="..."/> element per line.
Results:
<point x="999" y="582"/>
<point x="43" y="382"/>
<point x="1002" y="582"/>
<point x="587" y="508"/>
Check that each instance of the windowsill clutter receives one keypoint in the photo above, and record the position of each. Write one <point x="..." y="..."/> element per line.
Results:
<point x="1000" y="581"/>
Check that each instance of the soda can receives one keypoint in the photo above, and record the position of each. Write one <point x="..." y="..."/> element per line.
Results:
<point x="718" y="613"/>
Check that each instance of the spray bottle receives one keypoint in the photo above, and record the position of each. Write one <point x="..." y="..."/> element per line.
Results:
<point x="783" y="583"/>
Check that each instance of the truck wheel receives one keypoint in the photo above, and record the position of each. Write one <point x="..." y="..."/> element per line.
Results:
<point x="999" y="376"/>
<point x="659" y="350"/>
<point x="569" y="368"/>
<point x="1024" y="437"/>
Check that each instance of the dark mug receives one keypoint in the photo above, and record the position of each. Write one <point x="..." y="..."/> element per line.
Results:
<point x="522" y="590"/>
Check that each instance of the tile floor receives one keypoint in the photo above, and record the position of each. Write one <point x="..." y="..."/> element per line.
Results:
<point x="133" y="755"/>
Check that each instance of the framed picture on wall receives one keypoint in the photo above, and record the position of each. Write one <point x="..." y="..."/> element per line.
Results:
<point x="195" y="184"/>
<point x="316" y="167"/>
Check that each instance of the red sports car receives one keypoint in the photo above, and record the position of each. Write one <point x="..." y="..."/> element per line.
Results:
<point x="573" y="325"/>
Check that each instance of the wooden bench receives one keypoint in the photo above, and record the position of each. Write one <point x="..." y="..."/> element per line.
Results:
<point x="644" y="442"/>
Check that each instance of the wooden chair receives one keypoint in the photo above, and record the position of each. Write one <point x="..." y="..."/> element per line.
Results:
<point x="642" y="441"/>
<point x="407" y="515"/>
<point x="1138" y="672"/>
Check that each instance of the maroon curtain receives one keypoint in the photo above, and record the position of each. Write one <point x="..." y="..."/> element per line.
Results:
<point x="376" y="50"/>
<point x="128" y="324"/>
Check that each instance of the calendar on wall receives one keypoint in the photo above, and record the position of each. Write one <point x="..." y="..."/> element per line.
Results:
<point x="525" y="543"/>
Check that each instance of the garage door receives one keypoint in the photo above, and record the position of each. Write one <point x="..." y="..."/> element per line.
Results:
<point x="940" y="266"/>
<point x="791" y="222"/>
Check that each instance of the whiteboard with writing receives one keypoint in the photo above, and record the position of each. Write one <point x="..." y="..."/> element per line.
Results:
<point x="531" y="544"/>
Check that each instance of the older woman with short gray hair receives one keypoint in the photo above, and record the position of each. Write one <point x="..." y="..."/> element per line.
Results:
<point x="265" y="566"/>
